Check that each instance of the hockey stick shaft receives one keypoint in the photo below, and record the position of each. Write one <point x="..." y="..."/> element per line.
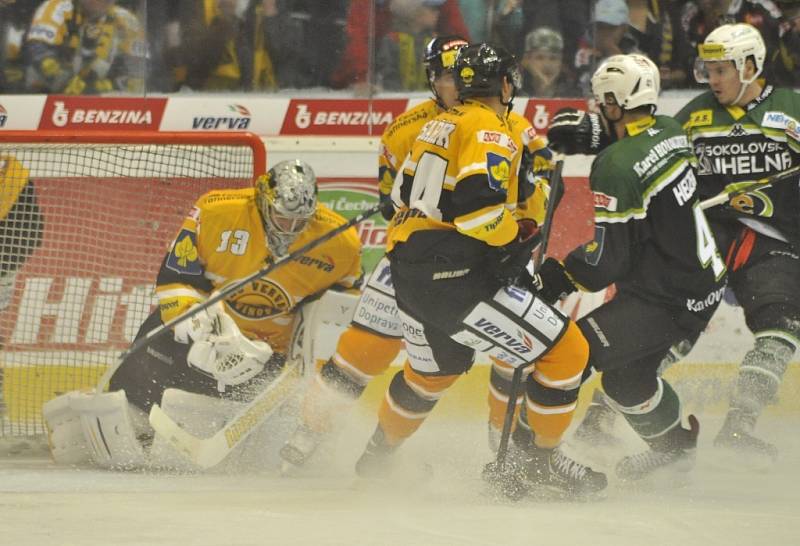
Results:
<point x="225" y="291"/>
<point x="516" y="379"/>
<point x="746" y="187"/>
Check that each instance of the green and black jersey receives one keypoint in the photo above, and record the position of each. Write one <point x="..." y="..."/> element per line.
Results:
<point x="735" y="145"/>
<point x="651" y="237"/>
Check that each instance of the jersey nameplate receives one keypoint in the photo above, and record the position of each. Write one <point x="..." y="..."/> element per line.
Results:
<point x="437" y="132"/>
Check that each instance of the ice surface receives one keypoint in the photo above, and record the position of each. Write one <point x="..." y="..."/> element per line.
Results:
<point x="722" y="502"/>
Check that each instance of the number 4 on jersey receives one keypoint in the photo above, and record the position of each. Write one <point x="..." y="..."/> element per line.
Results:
<point x="707" y="251"/>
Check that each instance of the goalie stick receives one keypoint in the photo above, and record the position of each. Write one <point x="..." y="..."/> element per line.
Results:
<point x="222" y="293"/>
<point x="497" y="467"/>
<point x="741" y="188"/>
<point x="209" y="452"/>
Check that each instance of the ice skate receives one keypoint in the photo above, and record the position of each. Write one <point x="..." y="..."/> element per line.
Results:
<point x="374" y="462"/>
<point x="597" y="426"/>
<point x="553" y="469"/>
<point x="676" y="451"/>
<point x="298" y="449"/>
<point x="736" y="435"/>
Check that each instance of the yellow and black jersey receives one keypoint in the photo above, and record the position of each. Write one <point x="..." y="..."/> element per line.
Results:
<point x="528" y="198"/>
<point x="398" y="138"/>
<point x="56" y="23"/>
<point x="13" y="179"/>
<point x="63" y="43"/>
<point x="223" y="240"/>
<point x="458" y="176"/>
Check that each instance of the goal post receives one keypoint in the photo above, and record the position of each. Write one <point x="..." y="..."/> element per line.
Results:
<point x="85" y="220"/>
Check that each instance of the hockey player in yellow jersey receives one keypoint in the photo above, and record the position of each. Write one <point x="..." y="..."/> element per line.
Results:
<point x="85" y="47"/>
<point x="374" y="338"/>
<point x="457" y="258"/>
<point x="228" y="235"/>
<point x="21" y="223"/>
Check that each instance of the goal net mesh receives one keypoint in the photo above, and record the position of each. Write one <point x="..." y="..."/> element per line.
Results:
<point x="84" y="226"/>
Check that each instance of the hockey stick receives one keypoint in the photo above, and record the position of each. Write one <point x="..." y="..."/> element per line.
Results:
<point x="222" y="293"/>
<point x="516" y="379"/>
<point x="741" y="188"/>
<point x="209" y="452"/>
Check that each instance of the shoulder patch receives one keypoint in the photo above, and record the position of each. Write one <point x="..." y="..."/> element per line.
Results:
<point x="183" y="258"/>
<point x="775" y="120"/>
<point x="499" y="169"/>
<point x="604" y="201"/>
<point x="593" y="250"/>
<point x="700" y="118"/>
<point x="498" y="138"/>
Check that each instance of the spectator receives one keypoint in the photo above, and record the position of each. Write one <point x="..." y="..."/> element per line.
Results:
<point x="651" y="30"/>
<point x="495" y="21"/>
<point x="399" y="57"/>
<point x="15" y="16"/>
<point x="362" y="22"/>
<point x="603" y="38"/>
<point x="84" y="47"/>
<point x="569" y="17"/>
<point x="543" y="65"/>
<point x="787" y="58"/>
<point x="211" y="45"/>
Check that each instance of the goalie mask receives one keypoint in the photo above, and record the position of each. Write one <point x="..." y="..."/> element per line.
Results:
<point x="286" y="198"/>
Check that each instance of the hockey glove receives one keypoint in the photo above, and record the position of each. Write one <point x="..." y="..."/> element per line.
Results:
<point x="552" y="282"/>
<point x="229" y="356"/>
<point x="200" y="326"/>
<point x="512" y="258"/>
<point x="574" y="131"/>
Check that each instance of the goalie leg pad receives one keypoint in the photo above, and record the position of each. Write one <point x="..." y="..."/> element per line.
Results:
<point x="106" y="422"/>
<point x="320" y="325"/>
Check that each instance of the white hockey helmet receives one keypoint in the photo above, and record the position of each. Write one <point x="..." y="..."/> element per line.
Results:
<point x="633" y="80"/>
<point x="736" y="42"/>
<point x="286" y="198"/>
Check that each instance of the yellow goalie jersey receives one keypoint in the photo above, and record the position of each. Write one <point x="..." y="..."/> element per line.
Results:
<point x="223" y="240"/>
<point x="13" y="178"/>
<point x="462" y="175"/>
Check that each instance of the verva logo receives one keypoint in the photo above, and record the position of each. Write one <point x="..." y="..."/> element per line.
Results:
<point x="3" y="116"/>
<point x="102" y="114"/>
<point x="238" y="120"/>
<point x="540" y="111"/>
<point x="340" y="117"/>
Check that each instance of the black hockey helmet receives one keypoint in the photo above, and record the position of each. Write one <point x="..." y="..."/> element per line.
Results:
<point x="440" y="54"/>
<point x="480" y="69"/>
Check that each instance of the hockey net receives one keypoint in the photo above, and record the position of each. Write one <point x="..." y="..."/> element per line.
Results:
<point x="85" y="221"/>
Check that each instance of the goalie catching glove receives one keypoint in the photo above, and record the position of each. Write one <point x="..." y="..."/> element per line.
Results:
<point x="574" y="131"/>
<point x="219" y="349"/>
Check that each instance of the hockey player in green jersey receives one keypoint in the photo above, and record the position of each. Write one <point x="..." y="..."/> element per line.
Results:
<point x="742" y="130"/>
<point x="653" y="241"/>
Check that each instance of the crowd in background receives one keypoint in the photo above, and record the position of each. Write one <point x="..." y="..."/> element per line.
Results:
<point x="366" y="46"/>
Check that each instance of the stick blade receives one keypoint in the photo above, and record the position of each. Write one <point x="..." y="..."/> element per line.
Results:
<point x="184" y="442"/>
